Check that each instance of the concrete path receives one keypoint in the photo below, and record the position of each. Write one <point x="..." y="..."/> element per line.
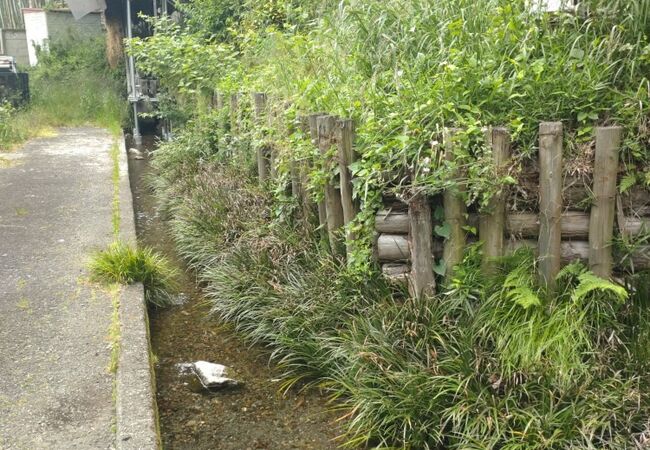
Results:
<point x="55" y="209"/>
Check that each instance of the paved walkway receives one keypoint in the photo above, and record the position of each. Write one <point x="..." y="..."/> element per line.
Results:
<point x="55" y="209"/>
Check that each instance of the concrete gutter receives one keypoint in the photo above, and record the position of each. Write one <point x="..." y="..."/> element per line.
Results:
<point x="136" y="410"/>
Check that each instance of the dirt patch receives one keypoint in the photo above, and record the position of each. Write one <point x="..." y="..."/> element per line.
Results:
<point x="6" y="163"/>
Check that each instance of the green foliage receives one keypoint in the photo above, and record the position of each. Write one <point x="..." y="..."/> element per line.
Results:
<point x="406" y="69"/>
<point x="189" y="62"/>
<point x="10" y="132"/>
<point x="125" y="264"/>
<point x="491" y="363"/>
<point x="71" y="85"/>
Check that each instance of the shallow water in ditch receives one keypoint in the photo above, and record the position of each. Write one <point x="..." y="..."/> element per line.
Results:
<point x="254" y="416"/>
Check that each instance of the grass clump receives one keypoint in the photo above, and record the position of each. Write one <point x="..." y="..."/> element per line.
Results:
<point x="125" y="264"/>
<point x="458" y="371"/>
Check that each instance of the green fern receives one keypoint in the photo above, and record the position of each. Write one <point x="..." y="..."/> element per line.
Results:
<point x="580" y="283"/>
<point x="520" y="283"/>
<point x="524" y="297"/>
<point x="570" y="272"/>
<point x="627" y="182"/>
<point x="590" y="283"/>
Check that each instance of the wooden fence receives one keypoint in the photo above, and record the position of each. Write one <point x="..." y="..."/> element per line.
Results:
<point x="406" y="246"/>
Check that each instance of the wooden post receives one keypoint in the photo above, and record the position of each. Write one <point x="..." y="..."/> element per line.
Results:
<point x="309" y="208"/>
<point x="492" y="222"/>
<point x="346" y="156"/>
<point x="294" y="170"/>
<point x="259" y="108"/>
<point x="603" y="211"/>
<point x="259" y="105"/>
<point x="333" y="207"/>
<point x="455" y="213"/>
<point x="423" y="282"/>
<point x="550" y="202"/>
<point x="313" y="132"/>
<point x="271" y="153"/>
<point x="234" y="113"/>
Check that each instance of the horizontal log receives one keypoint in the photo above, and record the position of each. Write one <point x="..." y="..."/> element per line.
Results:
<point x="392" y="222"/>
<point x="636" y="225"/>
<point x="395" y="269"/>
<point x="570" y="250"/>
<point x="579" y="251"/>
<point x="396" y="273"/>
<point x="576" y="193"/>
<point x="575" y="224"/>
<point x="395" y="247"/>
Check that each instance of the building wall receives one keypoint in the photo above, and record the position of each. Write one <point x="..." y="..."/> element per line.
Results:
<point x="14" y="43"/>
<point x="44" y="26"/>
<point x="61" y="25"/>
<point x="36" y="32"/>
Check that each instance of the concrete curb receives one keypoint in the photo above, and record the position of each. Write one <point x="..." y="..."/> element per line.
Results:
<point x="136" y="410"/>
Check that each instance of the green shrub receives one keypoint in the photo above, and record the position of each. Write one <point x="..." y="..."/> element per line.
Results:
<point x="124" y="264"/>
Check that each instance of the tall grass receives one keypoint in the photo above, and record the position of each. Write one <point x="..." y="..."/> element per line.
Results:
<point x="71" y="86"/>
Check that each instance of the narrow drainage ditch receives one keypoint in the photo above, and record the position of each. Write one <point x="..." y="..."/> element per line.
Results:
<point x="252" y="416"/>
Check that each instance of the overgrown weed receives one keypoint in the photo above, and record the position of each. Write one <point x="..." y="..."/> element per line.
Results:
<point x="70" y="86"/>
<point x="490" y="363"/>
<point x="125" y="264"/>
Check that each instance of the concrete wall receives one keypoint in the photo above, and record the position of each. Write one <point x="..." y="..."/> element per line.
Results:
<point x="14" y="43"/>
<point x="61" y="25"/>
<point x="44" y="26"/>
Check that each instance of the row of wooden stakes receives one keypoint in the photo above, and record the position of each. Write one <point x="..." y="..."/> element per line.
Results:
<point x="587" y="236"/>
<point x="409" y="236"/>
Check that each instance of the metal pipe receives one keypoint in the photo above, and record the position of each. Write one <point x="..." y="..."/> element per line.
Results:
<point x="133" y="97"/>
<point x="129" y="34"/>
<point x="137" y="137"/>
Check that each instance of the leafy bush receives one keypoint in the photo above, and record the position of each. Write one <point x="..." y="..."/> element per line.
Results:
<point x="404" y="70"/>
<point x="125" y="264"/>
